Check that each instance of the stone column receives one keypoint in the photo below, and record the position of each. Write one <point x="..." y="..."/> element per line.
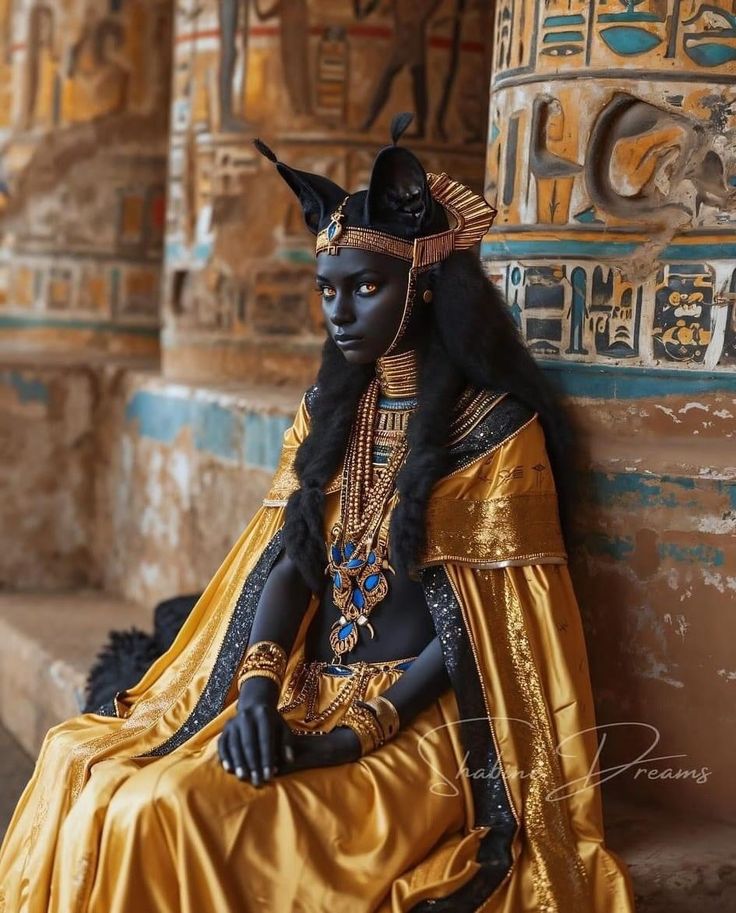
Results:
<point x="612" y="157"/>
<point x="319" y="82"/>
<point x="84" y="101"/>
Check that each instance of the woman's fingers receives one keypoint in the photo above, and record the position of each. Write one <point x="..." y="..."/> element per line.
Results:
<point x="248" y="733"/>
<point x="237" y="754"/>
<point x="223" y="749"/>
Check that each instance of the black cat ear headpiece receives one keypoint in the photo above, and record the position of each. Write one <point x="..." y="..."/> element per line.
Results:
<point x="405" y="213"/>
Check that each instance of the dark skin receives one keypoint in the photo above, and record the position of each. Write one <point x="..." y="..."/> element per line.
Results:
<point x="362" y="297"/>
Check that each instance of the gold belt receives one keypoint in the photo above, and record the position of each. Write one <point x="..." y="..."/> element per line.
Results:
<point x="303" y="685"/>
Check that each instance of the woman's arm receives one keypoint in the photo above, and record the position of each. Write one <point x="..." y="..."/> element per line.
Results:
<point x="423" y="682"/>
<point x="256" y="740"/>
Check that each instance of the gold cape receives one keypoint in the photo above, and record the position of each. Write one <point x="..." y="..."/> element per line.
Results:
<point x="487" y="801"/>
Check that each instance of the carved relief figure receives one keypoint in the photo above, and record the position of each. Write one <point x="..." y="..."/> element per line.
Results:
<point x="233" y="16"/>
<point x="554" y="173"/>
<point x="639" y="155"/>
<point x="294" y="17"/>
<point x="97" y="71"/>
<point x="682" y="320"/>
<point x="42" y="64"/>
<point x="409" y="49"/>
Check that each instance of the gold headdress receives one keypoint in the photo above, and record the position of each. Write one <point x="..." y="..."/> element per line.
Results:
<point x="406" y="212"/>
<point x="472" y="216"/>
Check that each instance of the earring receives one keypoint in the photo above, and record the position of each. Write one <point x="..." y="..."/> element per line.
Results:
<point x="427" y="296"/>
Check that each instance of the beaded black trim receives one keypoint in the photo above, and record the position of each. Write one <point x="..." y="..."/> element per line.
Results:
<point x="503" y="420"/>
<point x="107" y="709"/>
<point x="212" y="700"/>
<point x="309" y="397"/>
<point x="490" y="799"/>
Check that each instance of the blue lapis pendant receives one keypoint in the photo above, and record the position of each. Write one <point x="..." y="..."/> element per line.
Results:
<point x="335" y="228"/>
<point x="359" y="583"/>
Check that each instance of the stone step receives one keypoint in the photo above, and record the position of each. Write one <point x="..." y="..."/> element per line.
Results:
<point x="678" y="863"/>
<point x="48" y="641"/>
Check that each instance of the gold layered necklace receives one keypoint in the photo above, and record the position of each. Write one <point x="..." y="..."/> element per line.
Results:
<point x="358" y="553"/>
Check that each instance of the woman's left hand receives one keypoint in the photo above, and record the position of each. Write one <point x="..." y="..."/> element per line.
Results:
<point x="340" y="746"/>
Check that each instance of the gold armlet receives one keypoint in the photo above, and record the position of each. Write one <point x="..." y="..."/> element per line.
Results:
<point x="365" y="725"/>
<point x="265" y="658"/>
<point x="386" y="714"/>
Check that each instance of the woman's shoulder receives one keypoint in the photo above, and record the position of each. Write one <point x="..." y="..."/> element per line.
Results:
<point x="484" y="419"/>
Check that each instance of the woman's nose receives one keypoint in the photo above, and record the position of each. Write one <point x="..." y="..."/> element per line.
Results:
<point x="342" y="311"/>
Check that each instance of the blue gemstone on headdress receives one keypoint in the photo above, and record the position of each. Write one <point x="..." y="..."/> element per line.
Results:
<point x="336" y="554"/>
<point x="355" y="562"/>
<point x="337" y="580"/>
<point x="371" y="558"/>
<point x="346" y="631"/>
<point x="358" y="599"/>
<point x="349" y="549"/>
<point x="333" y="230"/>
<point x="371" y="582"/>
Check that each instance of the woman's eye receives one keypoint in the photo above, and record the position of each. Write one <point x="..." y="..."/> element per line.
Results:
<point x="326" y="291"/>
<point x="367" y="288"/>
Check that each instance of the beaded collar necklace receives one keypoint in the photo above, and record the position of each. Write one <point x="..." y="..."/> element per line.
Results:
<point x="358" y="553"/>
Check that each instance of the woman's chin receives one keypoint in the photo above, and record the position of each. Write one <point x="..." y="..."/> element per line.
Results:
<point x="357" y="356"/>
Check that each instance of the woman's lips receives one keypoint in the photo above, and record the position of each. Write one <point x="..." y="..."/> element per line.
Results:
<point x="348" y="341"/>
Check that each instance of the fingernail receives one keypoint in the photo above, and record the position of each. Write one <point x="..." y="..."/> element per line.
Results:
<point x="289" y="753"/>
<point x="267" y="773"/>
<point x="255" y="778"/>
<point x="226" y="765"/>
<point x="239" y="772"/>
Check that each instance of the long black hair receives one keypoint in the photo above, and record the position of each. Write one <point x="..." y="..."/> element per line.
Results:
<point x="468" y="336"/>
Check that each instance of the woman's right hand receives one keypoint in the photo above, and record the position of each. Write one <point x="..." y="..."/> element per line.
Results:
<point x="257" y="742"/>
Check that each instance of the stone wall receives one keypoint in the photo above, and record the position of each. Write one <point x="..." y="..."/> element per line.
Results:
<point x="84" y="100"/>
<point x="612" y="161"/>
<point x="112" y="477"/>
<point x="612" y="157"/>
<point x="185" y="468"/>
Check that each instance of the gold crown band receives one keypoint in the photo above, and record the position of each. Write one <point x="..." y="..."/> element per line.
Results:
<point x="472" y="214"/>
<point x="377" y="242"/>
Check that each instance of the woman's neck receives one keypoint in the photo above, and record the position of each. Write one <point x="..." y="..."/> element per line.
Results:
<point x="398" y="375"/>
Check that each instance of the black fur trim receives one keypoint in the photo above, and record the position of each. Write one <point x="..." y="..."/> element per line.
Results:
<point x="120" y="664"/>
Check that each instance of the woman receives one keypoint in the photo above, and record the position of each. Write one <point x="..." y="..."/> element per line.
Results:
<point x="381" y="701"/>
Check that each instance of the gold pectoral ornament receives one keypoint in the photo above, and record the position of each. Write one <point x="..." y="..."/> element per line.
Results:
<point x="359" y="583"/>
<point x="358" y="553"/>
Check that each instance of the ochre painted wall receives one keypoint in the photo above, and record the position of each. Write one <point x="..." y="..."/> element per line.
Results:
<point x="84" y="103"/>
<point x="612" y="161"/>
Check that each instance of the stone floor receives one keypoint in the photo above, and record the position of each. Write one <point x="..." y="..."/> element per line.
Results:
<point x="677" y="866"/>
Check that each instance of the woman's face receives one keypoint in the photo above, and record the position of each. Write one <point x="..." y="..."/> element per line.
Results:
<point x="363" y="297"/>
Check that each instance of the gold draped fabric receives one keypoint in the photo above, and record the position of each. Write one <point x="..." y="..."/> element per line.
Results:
<point x="132" y="813"/>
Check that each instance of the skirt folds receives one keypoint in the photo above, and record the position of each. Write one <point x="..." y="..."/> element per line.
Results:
<point x="177" y="834"/>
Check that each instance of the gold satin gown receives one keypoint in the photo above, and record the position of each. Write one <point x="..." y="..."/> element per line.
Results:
<point x="129" y="810"/>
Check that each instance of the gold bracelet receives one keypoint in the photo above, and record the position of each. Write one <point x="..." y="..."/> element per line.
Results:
<point x="365" y="725"/>
<point x="259" y="673"/>
<point x="386" y="714"/>
<point x="265" y="657"/>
